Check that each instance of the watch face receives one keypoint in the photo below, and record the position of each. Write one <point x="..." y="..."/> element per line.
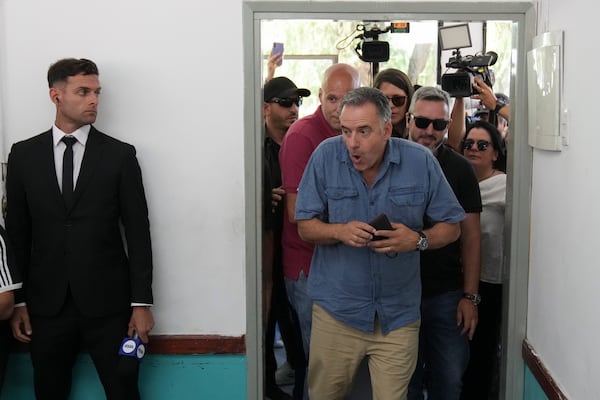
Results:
<point x="423" y="243"/>
<point x="475" y="298"/>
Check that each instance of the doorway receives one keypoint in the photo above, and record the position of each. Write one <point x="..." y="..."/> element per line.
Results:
<point x="518" y="184"/>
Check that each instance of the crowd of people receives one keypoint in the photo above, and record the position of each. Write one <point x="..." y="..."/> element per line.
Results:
<point x="421" y="302"/>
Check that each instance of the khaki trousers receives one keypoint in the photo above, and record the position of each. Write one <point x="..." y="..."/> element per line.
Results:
<point x="336" y="351"/>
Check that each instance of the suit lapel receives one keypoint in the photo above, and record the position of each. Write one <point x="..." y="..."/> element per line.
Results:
<point x="48" y="168"/>
<point x="91" y="157"/>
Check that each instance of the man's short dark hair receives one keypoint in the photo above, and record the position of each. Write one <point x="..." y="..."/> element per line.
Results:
<point x="364" y="95"/>
<point x="61" y="70"/>
<point x="429" y="93"/>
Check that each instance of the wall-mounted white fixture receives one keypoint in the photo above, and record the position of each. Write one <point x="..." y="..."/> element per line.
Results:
<point x="545" y="87"/>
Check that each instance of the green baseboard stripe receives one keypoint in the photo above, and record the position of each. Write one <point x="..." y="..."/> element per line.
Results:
<point x="176" y="367"/>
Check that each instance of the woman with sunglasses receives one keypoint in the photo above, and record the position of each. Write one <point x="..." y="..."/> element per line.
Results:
<point x="483" y="147"/>
<point x="397" y="87"/>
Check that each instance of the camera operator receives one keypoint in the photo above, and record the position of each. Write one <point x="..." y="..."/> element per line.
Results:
<point x="498" y="103"/>
<point x="458" y="124"/>
<point x="486" y="95"/>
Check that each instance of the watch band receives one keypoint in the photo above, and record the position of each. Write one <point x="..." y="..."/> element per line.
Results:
<point x="499" y="105"/>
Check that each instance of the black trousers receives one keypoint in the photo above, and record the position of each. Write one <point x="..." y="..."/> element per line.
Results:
<point x="5" y="346"/>
<point x="484" y="363"/>
<point x="283" y="315"/>
<point x="56" y="341"/>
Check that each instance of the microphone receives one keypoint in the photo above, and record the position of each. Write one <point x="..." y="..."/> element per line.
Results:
<point x="131" y="353"/>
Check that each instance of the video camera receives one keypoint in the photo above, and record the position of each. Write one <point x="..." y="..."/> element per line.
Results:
<point x="370" y="48"/>
<point x="460" y="83"/>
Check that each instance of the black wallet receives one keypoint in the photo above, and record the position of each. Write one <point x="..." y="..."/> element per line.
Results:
<point x="381" y="223"/>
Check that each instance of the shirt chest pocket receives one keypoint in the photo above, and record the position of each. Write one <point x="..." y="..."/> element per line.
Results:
<point x="342" y="204"/>
<point x="408" y="206"/>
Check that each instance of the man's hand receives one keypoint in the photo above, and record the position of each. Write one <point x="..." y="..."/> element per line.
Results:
<point x="272" y="64"/>
<point x="277" y="195"/>
<point x="20" y="325"/>
<point x="467" y="315"/>
<point x="141" y="322"/>
<point x="400" y="240"/>
<point x="354" y="233"/>
<point x="485" y="94"/>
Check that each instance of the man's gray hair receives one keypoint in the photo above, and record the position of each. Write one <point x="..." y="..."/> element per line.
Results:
<point x="364" y="95"/>
<point x="429" y="93"/>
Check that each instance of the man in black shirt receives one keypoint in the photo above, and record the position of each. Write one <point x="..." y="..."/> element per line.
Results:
<point x="449" y="275"/>
<point x="282" y="100"/>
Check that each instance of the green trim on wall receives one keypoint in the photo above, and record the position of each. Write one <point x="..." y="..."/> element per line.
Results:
<point x="181" y="377"/>
<point x="532" y="390"/>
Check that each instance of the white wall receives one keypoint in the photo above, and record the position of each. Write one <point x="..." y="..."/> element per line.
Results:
<point x="173" y="86"/>
<point x="564" y="296"/>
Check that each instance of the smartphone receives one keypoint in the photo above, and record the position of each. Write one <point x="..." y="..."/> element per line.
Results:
<point x="278" y="49"/>
<point x="381" y="223"/>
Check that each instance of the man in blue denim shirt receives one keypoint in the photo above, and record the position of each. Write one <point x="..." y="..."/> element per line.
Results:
<point x="367" y="292"/>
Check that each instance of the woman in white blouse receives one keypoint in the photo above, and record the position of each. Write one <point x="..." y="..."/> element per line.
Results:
<point x="484" y="148"/>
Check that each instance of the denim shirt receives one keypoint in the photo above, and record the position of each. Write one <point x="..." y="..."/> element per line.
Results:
<point x="353" y="284"/>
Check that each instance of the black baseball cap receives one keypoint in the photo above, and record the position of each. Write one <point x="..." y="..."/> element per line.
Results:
<point x="282" y="87"/>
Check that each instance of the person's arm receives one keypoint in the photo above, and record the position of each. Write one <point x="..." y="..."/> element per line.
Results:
<point x="272" y="65"/>
<point x="18" y="220"/>
<point x="457" y="127"/>
<point x="11" y="279"/>
<point x="20" y="324"/>
<point x="354" y="233"/>
<point x="486" y="95"/>
<point x="505" y="112"/>
<point x="441" y="234"/>
<point x="134" y="215"/>
<point x="268" y="255"/>
<point x="290" y="205"/>
<point x="470" y="239"/>
<point x="403" y="239"/>
<point x="7" y="303"/>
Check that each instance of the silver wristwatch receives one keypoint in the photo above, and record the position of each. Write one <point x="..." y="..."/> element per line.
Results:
<point x="423" y="242"/>
<point x="475" y="297"/>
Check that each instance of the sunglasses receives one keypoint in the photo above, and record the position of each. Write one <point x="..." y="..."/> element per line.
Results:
<point x="287" y="103"/>
<point x="423" y="123"/>
<point x="397" y="100"/>
<point x="482" y="145"/>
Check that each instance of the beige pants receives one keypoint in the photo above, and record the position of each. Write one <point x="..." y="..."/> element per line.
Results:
<point x="336" y="351"/>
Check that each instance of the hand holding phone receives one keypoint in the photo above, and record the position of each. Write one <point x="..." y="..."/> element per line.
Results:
<point x="277" y="49"/>
<point x="381" y="223"/>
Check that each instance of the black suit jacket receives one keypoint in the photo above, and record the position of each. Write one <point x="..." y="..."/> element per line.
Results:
<point x="99" y="248"/>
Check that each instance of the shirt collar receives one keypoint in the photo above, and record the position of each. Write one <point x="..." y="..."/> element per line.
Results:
<point x="80" y="134"/>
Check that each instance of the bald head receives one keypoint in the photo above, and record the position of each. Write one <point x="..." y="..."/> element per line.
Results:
<point x="338" y="80"/>
<point x="341" y="72"/>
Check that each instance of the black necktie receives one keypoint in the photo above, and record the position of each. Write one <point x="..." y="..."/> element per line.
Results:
<point x="67" y="173"/>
